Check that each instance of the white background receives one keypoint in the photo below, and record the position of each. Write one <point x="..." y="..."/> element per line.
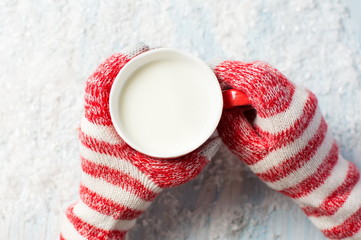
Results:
<point x="48" y="48"/>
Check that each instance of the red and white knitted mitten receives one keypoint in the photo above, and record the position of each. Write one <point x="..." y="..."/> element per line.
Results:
<point x="288" y="145"/>
<point x="119" y="183"/>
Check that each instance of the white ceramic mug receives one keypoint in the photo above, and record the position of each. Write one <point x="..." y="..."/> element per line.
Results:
<point x="165" y="103"/>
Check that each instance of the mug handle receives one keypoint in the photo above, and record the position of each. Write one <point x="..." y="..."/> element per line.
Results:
<point x="235" y="98"/>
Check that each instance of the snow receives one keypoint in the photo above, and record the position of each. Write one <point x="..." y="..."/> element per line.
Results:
<point x="48" y="48"/>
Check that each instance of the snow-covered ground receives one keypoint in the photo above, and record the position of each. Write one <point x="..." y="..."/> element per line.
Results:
<point x="48" y="48"/>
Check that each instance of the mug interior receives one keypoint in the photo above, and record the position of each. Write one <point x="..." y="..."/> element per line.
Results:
<point x="165" y="103"/>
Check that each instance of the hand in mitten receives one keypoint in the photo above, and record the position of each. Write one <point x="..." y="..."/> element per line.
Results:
<point x="117" y="182"/>
<point x="287" y="144"/>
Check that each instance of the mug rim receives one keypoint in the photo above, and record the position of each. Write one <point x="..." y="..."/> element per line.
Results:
<point x="137" y="62"/>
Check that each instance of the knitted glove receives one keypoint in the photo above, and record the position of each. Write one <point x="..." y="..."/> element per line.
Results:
<point x="117" y="182"/>
<point x="287" y="143"/>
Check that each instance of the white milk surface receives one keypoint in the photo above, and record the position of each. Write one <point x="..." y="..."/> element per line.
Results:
<point x="165" y="107"/>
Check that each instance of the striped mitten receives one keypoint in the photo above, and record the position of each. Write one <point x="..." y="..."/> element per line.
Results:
<point x="117" y="182"/>
<point x="287" y="144"/>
